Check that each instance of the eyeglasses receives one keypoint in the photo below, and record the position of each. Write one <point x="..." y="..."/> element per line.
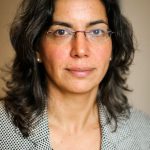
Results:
<point x="65" y="36"/>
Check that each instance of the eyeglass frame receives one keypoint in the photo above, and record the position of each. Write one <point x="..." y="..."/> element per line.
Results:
<point x="72" y="34"/>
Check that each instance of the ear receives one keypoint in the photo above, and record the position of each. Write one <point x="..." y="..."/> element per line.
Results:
<point x="38" y="57"/>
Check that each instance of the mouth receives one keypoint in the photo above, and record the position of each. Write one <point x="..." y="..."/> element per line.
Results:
<point x="80" y="72"/>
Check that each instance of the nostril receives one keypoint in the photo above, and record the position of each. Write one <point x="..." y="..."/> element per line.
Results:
<point x="78" y="52"/>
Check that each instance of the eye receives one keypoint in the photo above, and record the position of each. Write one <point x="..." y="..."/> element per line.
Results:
<point x="97" y="32"/>
<point x="60" y="32"/>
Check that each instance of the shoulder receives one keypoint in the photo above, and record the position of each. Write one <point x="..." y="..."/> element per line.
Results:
<point x="139" y="120"/>
<point x="132" y="132"/>
<point x="4" y="117"/>
<point x="139" y="124"/>
<point x="3" y="114"/>
<point x="11" y="138"/>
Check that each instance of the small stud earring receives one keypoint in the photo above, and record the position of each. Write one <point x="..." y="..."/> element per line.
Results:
<point x="39" y="60"/>
<point x="110" y="59"/>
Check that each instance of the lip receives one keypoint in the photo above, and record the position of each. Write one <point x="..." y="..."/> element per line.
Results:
<point x="80" y="72"/>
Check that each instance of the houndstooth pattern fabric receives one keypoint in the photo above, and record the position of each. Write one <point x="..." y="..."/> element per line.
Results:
<point x="131" y="134"/>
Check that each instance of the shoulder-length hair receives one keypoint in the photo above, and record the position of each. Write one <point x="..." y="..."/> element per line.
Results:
<point x="26" y="92"/>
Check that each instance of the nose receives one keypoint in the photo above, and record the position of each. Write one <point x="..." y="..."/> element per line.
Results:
<point x="80" y="46"/>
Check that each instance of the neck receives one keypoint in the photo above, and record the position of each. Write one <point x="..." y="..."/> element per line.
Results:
<point x="73" y="111"/>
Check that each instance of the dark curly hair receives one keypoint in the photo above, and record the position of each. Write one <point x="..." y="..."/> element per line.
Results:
<point x="26" y="92"/>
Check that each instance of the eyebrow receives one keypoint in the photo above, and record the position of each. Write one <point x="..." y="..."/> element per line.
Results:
<point x="97" y="22"/>
<point x="61" y="23"/>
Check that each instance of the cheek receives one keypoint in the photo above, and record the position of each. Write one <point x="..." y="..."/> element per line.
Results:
<point x="102" y="60"/>
<point x="53" y="57"/>
<point x="103" y="53"/>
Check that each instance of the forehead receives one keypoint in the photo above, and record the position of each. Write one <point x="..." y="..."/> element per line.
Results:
<point x="79" y="11"/>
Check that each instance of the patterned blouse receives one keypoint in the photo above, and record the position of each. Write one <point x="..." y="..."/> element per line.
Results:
<point x="131" y="134"/>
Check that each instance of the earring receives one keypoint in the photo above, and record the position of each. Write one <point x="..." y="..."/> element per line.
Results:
<point x="38" y="57"/>
<point x="39" y="60"/>
<point x="110" y="59"/>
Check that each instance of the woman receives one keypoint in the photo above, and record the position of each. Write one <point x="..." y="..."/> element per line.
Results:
<point x="68" y="84"/>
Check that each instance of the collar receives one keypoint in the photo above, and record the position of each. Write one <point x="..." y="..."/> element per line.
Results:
<point x="111" y="138"/>
<point x="40" y="132"/>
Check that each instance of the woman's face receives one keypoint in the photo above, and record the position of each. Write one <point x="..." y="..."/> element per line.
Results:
<point x="77" y="66"/>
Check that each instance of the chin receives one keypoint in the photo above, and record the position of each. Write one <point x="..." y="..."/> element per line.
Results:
<point x="81" y="88"/>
